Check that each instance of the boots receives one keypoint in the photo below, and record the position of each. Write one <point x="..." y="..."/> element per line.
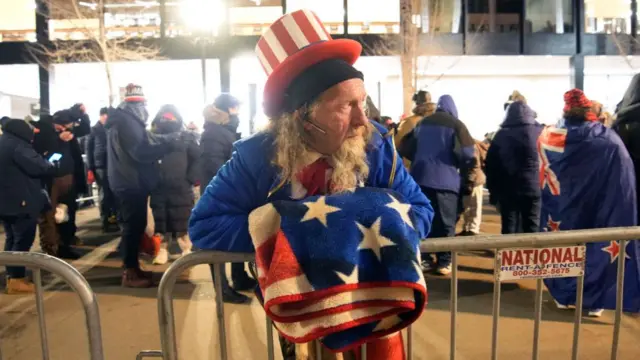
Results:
<point x="136" y="278"/>
<point x="19" y="286"/>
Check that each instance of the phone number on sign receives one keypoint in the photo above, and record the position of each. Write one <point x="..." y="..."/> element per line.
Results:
<point x="541" y="272"/>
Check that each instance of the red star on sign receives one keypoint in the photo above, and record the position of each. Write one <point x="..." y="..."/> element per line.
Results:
<point x="614" y="249"/>
<point x="553" y="225"/>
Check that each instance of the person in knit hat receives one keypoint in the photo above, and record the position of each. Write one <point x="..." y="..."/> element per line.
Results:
<point x="319" y="143"/>
<point x="588" y="182"/>
<point x="424" y="107"/>
<point x="59" y="133"/>
<point x="22" y="198"/>
<point x="132" y="153"/>
<point x="216" y="144"/>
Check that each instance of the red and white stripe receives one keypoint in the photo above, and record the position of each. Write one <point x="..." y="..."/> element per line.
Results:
<point x="287" y="36"/>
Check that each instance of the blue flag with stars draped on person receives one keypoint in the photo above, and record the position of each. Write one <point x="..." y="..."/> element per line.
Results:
<point x="588" y="181"/>
<point x="342" y="268"/>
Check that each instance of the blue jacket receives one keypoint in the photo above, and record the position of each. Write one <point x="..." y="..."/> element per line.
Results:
<point x="132" y="153"/>
<point x="441" y="150"/>
<point x="512" y="160"/>
<point x="97" y="148"/>
<point x="220" y="220"/>
<point x="21" y="177"/>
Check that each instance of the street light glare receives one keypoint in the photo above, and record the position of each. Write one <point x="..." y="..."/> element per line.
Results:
<point x="203" y="15"/>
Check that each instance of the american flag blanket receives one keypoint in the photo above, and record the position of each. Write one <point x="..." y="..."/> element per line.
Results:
<point x="343" y="268"/>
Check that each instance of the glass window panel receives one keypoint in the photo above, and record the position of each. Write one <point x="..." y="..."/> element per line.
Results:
<point x="17" y="20"/>
<point x="550" y="16"/>
<point x="383" y="18"/>
<point x="331" y="12"/>
<point x="507" y="16"/>
<point x="608" y="16"/>
<point x="442" y="16"/>
<point x="71" y="20"/>
<point x="194" y="17"/>
<point x="253" y="17"/>
<point x="19" y="91"/>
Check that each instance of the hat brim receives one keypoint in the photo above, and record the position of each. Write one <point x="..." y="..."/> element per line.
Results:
<point x="282" y="76"/>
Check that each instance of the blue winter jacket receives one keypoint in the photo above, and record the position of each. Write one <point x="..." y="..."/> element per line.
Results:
<point x="220" y="220"/>
<point x="512" y="160"/>
<point x="441" y="150"/>
<point x="132" y="153"/>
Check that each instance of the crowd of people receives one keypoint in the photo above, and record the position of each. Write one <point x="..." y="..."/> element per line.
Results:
<point x="324" y="138"/>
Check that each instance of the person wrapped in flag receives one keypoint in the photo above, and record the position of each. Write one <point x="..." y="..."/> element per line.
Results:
<point x="324" y="192"/>
<point x="587" y="180"/>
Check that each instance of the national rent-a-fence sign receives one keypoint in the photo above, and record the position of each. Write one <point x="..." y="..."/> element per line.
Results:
<point x="534" y="263"/>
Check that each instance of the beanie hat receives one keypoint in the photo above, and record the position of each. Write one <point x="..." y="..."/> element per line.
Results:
<point x="62" y="117"/>
<point x="576" y="104"/>
<point x="104" y="111"/>
<point x="133" y="93"/>
<point x="301" y="61"/>
<point x="226" y="101"/>
<point x="19" y="128"/>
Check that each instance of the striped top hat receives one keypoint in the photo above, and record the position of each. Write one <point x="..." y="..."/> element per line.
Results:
<point x="293" y="43"/>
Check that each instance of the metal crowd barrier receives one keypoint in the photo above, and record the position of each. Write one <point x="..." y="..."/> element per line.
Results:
<point x="492" y="242"/>
<point x="38" y="262"/>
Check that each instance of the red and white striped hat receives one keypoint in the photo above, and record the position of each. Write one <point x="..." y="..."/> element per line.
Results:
<point x="293" y="43"/>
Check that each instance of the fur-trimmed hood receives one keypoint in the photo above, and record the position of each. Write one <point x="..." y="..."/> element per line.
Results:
<point x="214" y="115"/>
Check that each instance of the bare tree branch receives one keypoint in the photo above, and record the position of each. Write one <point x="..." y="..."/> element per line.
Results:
<point x="86" y="20"/>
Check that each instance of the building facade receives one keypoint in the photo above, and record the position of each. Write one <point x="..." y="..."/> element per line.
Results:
<point x="206" y="46"/>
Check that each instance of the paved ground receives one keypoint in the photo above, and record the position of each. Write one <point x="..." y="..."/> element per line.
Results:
<point x="129" y="317"/>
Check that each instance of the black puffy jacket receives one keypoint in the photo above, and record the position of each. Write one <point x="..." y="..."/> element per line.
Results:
<point x="216" y="144"/>
<point x="97" y="148"/>
<point x="173" y="198"/>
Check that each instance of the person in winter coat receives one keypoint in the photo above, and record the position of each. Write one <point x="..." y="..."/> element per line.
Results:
<point x="132" y="155"/>
<point x="22" y="198"/>
<point x="512" y="170"/>
<point x="424" y="107"/>
<point x="97" y="163"/>
<point x="68" y="126"/>
<point x="172" y="199"/>
<point x="627" y="125"/>
<point x="441" y="152"/>
<point x="472" y="203"/>
<point x="220" y="126"/>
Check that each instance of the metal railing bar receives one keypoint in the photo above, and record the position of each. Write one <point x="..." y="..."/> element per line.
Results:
<point x="554" y="238"/>
<point x="270" y="350"/>
<point x="619" y="299"/>
<point x="537" y="318"/>
<point x="218" y="273"/>
<point x="44" y="343"/>
<point x="149" y="354"/>
<point x="75" y="280"/>
<point x="454" y="304"/>
<point x="578" y="314"/>
<point x="167" y="284"/>
<point x="363" y="352"/>
<point x="318" y="347"/>
<point x="496" y="307"/>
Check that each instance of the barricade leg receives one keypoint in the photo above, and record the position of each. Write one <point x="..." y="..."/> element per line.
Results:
<point x="454" y="303"/>
<point x="149" y="354"/>
<point x="537" y="319"/>
<point x="496" y="307"/>
<point x="37" y="278"/>
<point x="218" y="272"/>
<point x="270" y="352"/>
<point x="619" y="299"/>
<point x="578" y="315"/>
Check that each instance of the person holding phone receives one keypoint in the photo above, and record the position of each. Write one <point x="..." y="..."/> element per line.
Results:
<point x="22" y="198"/>
<point x="69" y="125"/>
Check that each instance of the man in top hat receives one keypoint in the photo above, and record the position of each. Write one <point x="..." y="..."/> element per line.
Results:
<point x="132" y="152"/>
<point x="319" y="140"/>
